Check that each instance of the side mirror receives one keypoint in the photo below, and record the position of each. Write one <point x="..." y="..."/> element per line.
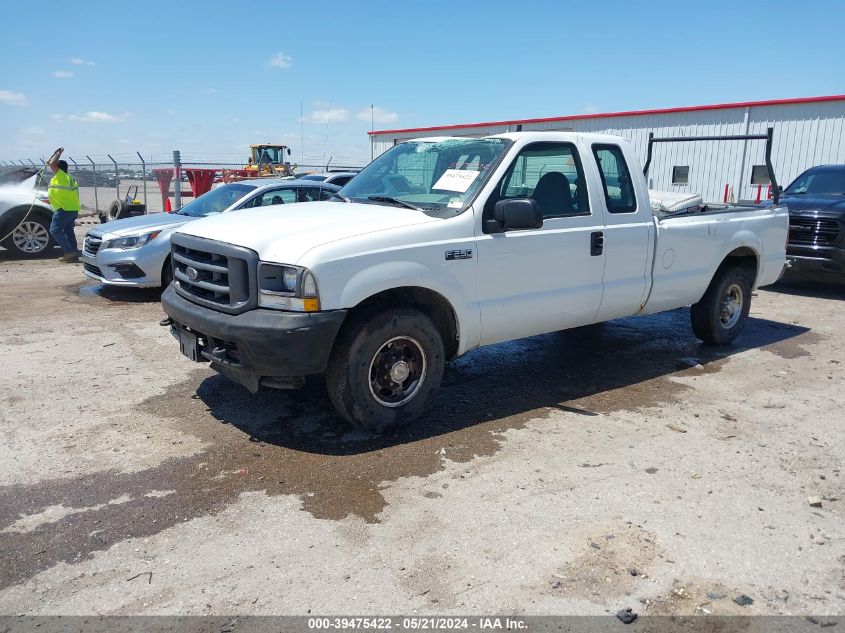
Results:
<point x="516" y="213"/>
<point x="288" y="151"/>
<point x="780" y="189"/>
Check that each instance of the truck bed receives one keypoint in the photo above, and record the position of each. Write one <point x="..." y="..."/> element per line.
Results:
<point x="690" y="245"/>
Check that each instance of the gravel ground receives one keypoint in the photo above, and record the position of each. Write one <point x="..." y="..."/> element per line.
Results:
<point x="572" y="473"/>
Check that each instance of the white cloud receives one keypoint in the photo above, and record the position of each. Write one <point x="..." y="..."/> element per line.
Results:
<point x="329" y="115"/>
<point x="95" y="117"/>
<point x="81" y="62"/>
<point x="589" y="109"/>
<point x="62" y="74"/>
<point x="13" y="98"/>
<point x="280" y="60"/>
<point x="379" y="115"/>
<point x="57" y="117"/>
<point x="33" y="131"/>
<point x="211" y="91"/>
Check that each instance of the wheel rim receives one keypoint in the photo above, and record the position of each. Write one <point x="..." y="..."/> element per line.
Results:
<point x="730" y="309"/>
<point x="397" y="371"/>
<point x="31" y="237"/>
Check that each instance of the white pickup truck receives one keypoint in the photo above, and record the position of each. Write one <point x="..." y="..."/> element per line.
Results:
<point x="442" y="245"/>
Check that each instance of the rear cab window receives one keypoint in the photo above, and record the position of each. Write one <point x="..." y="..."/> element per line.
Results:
<point x="616" y="180"/>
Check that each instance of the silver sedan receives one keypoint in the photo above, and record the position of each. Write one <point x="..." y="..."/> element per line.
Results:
<point x="135" y="251"/>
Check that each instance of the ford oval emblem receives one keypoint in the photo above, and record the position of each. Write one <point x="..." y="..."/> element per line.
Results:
<point x="192" y="273"/>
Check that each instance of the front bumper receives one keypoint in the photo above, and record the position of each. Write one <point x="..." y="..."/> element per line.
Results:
<point x="257" y="345"/>
<point x="136" y="267"/>
<point x="819" y="263"/>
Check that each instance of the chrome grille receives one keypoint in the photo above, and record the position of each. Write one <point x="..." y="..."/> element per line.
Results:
<point x="813" y="231"/>
<point x="214" y="274"/>
<point x="91" y="244"/>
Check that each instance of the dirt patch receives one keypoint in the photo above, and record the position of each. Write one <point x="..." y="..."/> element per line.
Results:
<point x="707" y="597"/>
<point x="611" y="560"/>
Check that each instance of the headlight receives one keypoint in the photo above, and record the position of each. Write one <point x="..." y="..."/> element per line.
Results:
<point x="136" y="241"/>
<point x="287" y="288"/>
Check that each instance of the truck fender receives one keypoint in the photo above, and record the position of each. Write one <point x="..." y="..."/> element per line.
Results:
<point x="402" y="274"/>
<point x="746" y="241"/>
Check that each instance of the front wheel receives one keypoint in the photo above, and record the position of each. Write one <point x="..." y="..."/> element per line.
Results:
<point x="166" y="274"/>
<point x="386" y="369"/>
<point x="721" y="314"/>
<point x="30" y="238"/>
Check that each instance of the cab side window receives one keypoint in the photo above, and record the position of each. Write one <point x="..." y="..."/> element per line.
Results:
<point x="551" y="174"/>
<point x="616" y="179"/>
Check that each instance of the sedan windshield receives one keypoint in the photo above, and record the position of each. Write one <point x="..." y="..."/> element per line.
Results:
<point x="428" y="175"/>
<point x="819" y="182"/>
<point x="216" y="200"/>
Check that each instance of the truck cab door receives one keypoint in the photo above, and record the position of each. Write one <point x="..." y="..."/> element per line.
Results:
<point x="538" y="280"/>
<point x="622" y="199"/>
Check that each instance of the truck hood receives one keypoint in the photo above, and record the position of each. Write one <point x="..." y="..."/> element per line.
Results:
<point x="145" y="224"/>
<point x="809" y="203"/>
<point x="284" y="233"/>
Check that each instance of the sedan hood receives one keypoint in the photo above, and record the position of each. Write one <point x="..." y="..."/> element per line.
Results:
<point x="284" y="233"/>
<point x="812" y="203"/>
<point x="145" y="224"/>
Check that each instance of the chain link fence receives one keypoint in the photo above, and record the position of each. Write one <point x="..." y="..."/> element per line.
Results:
<point x="101" y="182"/>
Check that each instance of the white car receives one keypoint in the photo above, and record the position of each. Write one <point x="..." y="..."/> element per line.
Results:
<point x="25" y="216"/>
<point x="339" y="178"/>
<point x="442" y="245"/>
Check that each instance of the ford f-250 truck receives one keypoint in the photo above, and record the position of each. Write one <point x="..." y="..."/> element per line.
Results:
<point x="442" y="245"/>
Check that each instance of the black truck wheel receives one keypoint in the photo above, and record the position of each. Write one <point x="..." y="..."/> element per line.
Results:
<point x="721" y="314"/>
<point x="385" y="369"/>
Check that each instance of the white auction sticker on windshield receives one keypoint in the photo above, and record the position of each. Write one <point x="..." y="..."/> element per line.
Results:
<point x="457" y="180"/>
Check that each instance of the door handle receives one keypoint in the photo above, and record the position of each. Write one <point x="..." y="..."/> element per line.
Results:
<point x="596" y="243"/>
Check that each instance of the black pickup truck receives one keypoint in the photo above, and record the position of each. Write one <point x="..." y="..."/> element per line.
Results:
<point x="816" y="203"/>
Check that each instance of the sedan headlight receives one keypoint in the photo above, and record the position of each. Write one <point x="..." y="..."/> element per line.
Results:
<point x="135" y="241"/>
<point x="287" y="288"/>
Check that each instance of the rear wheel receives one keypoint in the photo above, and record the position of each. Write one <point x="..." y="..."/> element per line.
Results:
<point x="30" y="238"/>
<point x="721" y="314"/>
<point x="386" y="369"/>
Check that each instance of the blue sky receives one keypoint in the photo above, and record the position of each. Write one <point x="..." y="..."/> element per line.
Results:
<point x="210" y="78"/>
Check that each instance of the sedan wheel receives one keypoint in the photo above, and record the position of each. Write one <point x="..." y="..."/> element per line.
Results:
<point x="31" y="237"/>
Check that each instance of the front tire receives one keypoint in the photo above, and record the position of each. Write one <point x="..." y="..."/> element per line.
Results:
<point x="386" y="369"/>
<point x="721" y="314"/>
<point x="166" y="274"/>
<point x="30" y="237"/>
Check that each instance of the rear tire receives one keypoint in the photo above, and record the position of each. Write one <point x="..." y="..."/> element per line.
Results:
<point x="30" y="236"/>
<point x="386" y="369"/>
<point x="721" y="314"/>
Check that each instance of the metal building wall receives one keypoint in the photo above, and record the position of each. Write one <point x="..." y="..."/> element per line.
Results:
<point x="805" y="134"/>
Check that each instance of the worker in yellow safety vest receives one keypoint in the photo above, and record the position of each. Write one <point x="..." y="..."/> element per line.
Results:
<point x="64" y="198"/>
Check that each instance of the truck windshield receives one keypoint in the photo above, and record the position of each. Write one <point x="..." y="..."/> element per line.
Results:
<point x="820" y="182"/>
<point x="428" y="175"/>
<point x="216" y="200"/>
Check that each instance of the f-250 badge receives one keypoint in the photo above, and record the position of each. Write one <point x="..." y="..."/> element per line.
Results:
<point x="459" y="254"/>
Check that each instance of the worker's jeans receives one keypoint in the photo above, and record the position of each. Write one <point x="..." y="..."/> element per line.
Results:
<point x="61" y="228"/>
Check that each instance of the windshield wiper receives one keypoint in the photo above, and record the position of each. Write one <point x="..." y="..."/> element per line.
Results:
<point x="394" y="201"/>
<point x="344" y="198"/>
